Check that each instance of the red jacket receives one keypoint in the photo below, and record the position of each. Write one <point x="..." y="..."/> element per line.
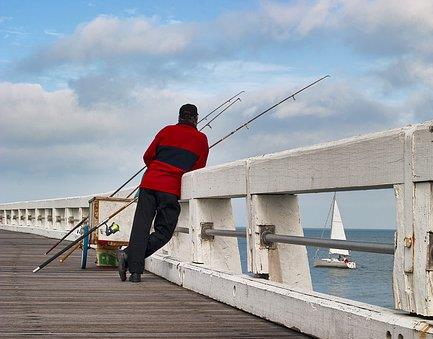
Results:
<point x="176" y="149"/>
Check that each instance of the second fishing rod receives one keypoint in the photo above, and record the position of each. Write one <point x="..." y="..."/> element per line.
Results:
<point x="228" y="101"/>
<point x="45" y="263"/>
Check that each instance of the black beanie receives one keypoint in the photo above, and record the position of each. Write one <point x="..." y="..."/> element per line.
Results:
<point x="188" y="111"/>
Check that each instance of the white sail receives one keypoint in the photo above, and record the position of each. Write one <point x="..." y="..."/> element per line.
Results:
<point x="337" y="230"/>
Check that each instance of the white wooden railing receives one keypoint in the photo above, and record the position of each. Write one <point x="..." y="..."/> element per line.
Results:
<point x="49" y="217"/>
<point x="401" y="159"/>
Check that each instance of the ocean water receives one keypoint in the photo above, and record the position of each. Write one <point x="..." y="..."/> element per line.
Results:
<point x="371" y="282"/>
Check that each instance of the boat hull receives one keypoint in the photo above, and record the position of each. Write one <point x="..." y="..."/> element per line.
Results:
<point x="334" y="263"/>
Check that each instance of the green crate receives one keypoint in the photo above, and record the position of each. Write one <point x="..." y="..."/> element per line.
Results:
<point x="106" y="257"/>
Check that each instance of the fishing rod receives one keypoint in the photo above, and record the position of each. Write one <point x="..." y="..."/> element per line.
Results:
<point x="267" y="110"/>
<point x="67" y="234"/>
<point x="216" y="116"/>
<point x="93" y="229"/>
<point x="204" y="118"/>
<point x="86" y="218"/>
<point x="135" y="199"/>
<point x="142" y="169"/>
<point x="216" y="109"/>
<point x="208" y="124"/>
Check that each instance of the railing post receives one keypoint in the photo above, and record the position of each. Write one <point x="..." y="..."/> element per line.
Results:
<point x="21" y="216"/>
<point x="220" y="253"/>
<point x="282" y="260"/>
<point x="26" y="217"/>
<point x="68" y="214"/>
<point x="49" y="218"/>
<point x="413" y="289"/>
<point x="39" y="214"/>
<point x="179" y="247"/>
<point x="15" y="217"/>
<point x="413" y="260"/>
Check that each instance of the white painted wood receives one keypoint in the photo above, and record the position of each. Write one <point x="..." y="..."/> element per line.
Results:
<point x="26" y="218"/>
<point x="408" y="192"/>
<point x="423" y="155"/>
<point x="14" y="217"/>
<point x="371" y="161"/>
<point x="402" y="283"/>
<point x="50" y="203"/>
<point x="20" y="216"/>
<point x="31" y="218"/>
<point x="179" y="247"/>
<point x="49" y="218"/>
<point x="48" y="233"/>
<point x="226" y="180"/>
<point x="38" y="223"/>
<point x="413" y="290"/>
<point x="68" y="213"/>
<point x="124" y="219"/>
<point x="286" y="263"/>
<point x="221" y="253"/>
<point x="313" y="313"/>
<point x="423" y="225"/>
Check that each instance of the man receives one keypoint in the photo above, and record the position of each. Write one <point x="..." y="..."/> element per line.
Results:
<point x="176" y="149"/>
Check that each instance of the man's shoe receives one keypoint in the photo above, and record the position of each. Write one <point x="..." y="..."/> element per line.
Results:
<point x="135" y="277"/>
<point x="123" y="264"/>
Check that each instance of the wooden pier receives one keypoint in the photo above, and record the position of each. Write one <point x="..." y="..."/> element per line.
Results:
<point x="65" y="301"/>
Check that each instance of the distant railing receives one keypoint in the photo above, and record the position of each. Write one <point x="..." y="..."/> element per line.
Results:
<point x="52" y="214"/>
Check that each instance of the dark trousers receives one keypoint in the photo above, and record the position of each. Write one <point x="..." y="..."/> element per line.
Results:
<point x="142" y="244"/>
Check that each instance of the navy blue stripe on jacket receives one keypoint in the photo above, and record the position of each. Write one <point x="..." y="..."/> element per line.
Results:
<point x="175" y="156"/>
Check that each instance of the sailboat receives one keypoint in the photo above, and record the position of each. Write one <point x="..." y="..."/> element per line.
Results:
<point x="337" y="257"/>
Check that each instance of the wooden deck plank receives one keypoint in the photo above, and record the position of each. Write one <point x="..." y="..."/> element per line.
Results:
<point x="64" y="301"/>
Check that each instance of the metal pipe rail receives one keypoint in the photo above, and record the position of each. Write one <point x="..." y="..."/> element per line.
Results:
<point x="182" y="230"/>
<point x="226" y="233"/>
<point x="268" y="238"/>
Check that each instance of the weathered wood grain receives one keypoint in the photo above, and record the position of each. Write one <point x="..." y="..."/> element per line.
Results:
<point x="366" y="162"/>
<point x="65" y="301"/>
<point x="221" y="181"/>
<point x="281" y="211"/>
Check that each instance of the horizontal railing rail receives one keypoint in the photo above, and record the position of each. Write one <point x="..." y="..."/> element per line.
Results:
<point x="271" y="238"/>
<point x="359" y="246"/>
<point x="225" y="233"/>
<point x="182" y="230"/>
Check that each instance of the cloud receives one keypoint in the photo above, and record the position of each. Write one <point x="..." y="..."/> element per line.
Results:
<point x="52" y="132"/>
<point x="4" y="19"/>
<point x="53" y="33"/>
<point x="31" y="114"/>
<point x="108" y="38"/>
<point x="384" y="27"/>
<point x="124" y="78"/>
<point x="406" y="72"/>
<point x="370" y="27"/>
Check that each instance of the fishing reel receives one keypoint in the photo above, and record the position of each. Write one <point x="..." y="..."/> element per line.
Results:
<point x="113" y="228"/>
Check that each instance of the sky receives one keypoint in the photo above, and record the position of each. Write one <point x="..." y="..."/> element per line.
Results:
<point x="85" y="85"/>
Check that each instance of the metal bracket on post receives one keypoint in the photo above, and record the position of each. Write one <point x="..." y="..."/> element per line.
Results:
<point x="71" y="220"/>
<point x="206" y="226"/>
<point x="430" y="252"/>
<point x="267" y="229"/>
